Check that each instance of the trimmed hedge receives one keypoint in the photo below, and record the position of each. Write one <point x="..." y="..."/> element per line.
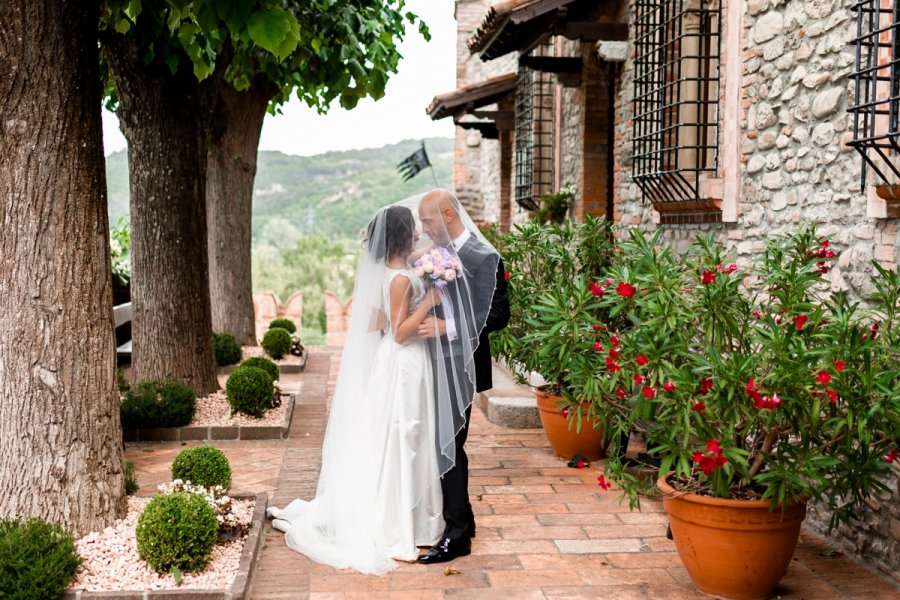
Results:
<point x="228" y="351"/>
<point x="158" y="404"/>
<point x="250" y="391"/>
<point x="203" y="465"/>
<point x="283" y="324"/>
<point x="276" y="342"/>
<point x="261" y="362"/>
<point x="177" y="530"/>
<point x="37" y="560"/>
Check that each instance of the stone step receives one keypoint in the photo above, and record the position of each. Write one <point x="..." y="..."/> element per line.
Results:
<point x="509" y="404"/>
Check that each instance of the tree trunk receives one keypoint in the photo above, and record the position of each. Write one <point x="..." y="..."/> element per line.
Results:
<point x="60" y="435"/>
<point x="237" y="123"/>
<point x="165" y="119"/>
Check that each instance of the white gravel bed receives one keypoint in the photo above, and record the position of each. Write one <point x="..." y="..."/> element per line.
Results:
<point x="214" y="410"/>
<point x="111" y="561"/>
<point x="288" y="359"/>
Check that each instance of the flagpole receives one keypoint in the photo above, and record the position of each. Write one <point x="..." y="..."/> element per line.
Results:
<point x="433" y="176"/>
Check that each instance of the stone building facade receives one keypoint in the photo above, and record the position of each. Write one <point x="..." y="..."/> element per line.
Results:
<point x="772" y="101"/>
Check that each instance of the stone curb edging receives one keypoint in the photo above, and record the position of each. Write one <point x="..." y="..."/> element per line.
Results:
<point x="210" y="433"/>
<point x="240" y="587"/>
<point x="291" y="369"/>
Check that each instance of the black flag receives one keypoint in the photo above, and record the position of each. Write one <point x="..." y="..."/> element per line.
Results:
<point x="413" y="163"/>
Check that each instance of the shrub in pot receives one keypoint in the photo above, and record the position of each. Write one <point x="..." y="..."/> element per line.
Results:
<point x="773" y="396"/>
<point x="276" y="342"/>
<point x="282" y="323"/>
<point x="177" y="531"/>
<point x="38" y="560"/>
<point x="158" y="404"/>
<point x="203" y="465"/>
<point x="227" y="350"/>
<point x="250" y="391"/>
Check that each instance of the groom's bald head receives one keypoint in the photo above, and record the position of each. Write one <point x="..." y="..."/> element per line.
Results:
<point x="439" y="212"/>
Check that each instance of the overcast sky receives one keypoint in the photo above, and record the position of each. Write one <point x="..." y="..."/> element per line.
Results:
<point x="427" y="69"/>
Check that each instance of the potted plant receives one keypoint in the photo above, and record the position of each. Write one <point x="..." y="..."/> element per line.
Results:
<point x="552" y="308"/>
<point x="760" y="401"/>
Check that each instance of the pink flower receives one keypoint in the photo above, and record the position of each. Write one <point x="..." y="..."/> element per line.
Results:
<point x="648" y="392"/>
<point x="731" y="268"/>
<point x="707" y="277"/>
<point x="564" y="412"/>
<point x="698" y="407"/>
<point x="603" y="482"/>
<point x="839" y="365"/>
<point x="823" y="378"/>
<point x="596" y="290"/>
<point x="669" y="386"/>
<point x="582" y="464"/>
<point x="757" y="314"/>
<point x="642" y="360"/>
<point x="800" y="321"/>
<point x="891" y="456"/>
<point x="626" y="290"/>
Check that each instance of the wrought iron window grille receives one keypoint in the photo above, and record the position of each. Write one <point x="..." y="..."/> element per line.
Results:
<point x="876" y="77"/>
<point x="534" y="133"/>
<point x="676" y="99"/>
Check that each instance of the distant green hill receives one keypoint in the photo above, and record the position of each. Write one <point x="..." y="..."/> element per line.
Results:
<point x="332" y="194"/>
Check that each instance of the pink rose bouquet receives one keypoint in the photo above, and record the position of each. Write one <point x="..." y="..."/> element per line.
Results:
<point x="438" y="267"/>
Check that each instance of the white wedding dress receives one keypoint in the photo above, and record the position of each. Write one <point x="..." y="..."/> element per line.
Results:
<point x="379" y="494"/>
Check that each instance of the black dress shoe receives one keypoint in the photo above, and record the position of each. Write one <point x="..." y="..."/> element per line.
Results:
<point x="445" y="550"/>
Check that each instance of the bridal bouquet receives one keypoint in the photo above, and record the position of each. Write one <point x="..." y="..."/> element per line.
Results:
<point x="438" y="267"/>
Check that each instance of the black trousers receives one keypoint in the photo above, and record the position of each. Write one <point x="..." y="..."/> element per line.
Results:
<point x="458" y="513"/>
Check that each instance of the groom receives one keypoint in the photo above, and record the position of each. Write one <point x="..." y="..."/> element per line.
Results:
<point x="484" y="286"/>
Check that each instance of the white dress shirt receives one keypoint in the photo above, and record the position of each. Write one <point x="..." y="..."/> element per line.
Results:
<point x="449" y="319"/>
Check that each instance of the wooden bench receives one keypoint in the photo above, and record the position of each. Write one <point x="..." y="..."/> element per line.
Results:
<point x="122" y="320"/>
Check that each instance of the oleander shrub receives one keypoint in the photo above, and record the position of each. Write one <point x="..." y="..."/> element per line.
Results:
<point x="261" y="362"/>
<point x="276" y="342"/>
<point x="177" y="530"/>
<point x="37" y="559"/>
<point x="250" y="391"/>
<point x="158" y="404"/>
<point x="203" y="465"/>
<point x="228" y="351"/>
<point x="283" y="324"/>
<point x="131" y="484"/>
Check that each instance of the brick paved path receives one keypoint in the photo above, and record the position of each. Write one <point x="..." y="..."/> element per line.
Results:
<point x="544" y="530"/>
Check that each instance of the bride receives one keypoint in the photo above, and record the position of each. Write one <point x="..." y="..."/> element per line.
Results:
<point x="391" y="428"/>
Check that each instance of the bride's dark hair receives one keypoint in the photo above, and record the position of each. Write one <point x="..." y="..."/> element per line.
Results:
<point x="399" y="226"/>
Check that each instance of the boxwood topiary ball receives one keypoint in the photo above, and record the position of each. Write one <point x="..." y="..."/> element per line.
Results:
<point x="284" y="324"/>
<point x="228" y="351"/>
<point x="261" y="362"/>
<point x="177" y="530"/>
<point x="277" y="342"/>
<point x="37" y="559"/>
<point x="250" y="391"/>
<point x="202" y="465"/>
<point x="158" y="404"/>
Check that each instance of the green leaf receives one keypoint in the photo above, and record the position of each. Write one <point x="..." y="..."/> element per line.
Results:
<point x="269" y="28"/>
<point x="133" y="10"/>
<point x="123" y="25"/>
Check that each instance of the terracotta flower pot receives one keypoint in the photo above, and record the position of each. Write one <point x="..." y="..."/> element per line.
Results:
<point x="566" y="442"/>
<point x="735" y="549"/>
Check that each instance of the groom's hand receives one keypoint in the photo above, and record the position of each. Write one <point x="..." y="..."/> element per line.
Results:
<point x="432" y="327"/>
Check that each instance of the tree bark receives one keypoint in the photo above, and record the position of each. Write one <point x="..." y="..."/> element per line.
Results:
<point x="165" y="119"/>
<point x="60" y="434"/>
<point x="236" y="126"/>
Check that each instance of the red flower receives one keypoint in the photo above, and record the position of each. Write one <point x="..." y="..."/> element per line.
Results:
<point x="766" y="403"/>
<point x="708" y="277"/>
<point x="832" y="396"/>
<point x="891" y="456"/>
<point x="620" y="393"/>
<point x="712" y="459"/>
<point x="800" y="321"/>
<point x="706" y="384"/>
<point x="874" y="330"/>
<point x="596" y="328"/>
<point x="608" y="282"/>
<point x="603" y="482"/>
<point x="839" y="366"/>
<point x="596" y="289"/>
<point x="731" y="268"/>
<point x="713" y="446"/>
<point x="582" y="464"/>
<point x="614" y="340"/>
<point x="612" y="367"/>
<point x="669" y="386"/>
<point x="757" y="314"/>
<point x="614" y="353"/>
<point x="823" y="378"/>
<point x="824" y="243"/>
<point x="626" y="290"/>
<point x="648" y="392"/>
<point x="638" y="379"/>
<point x="698" y="407"/>
<point x="506" y="276"/>
<point x="564" y="412"/>
<point x="642" y="360"/>
<point x="598" y="347"/>
<point x="751" y="385"/>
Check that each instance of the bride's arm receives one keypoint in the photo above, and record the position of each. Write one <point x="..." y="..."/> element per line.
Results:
<point x="406" y="323"/>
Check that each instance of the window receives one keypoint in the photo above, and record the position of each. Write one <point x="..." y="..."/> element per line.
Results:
<point x="676" y="101"/>
<point x="534" y="135"/>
